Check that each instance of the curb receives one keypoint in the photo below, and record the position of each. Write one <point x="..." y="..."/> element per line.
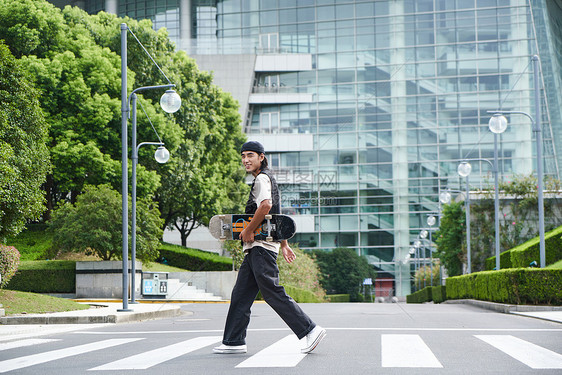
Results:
<point x="502" y="307"/>
<point x="110" y="318"/>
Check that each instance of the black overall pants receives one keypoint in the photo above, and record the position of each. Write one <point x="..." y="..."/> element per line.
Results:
<point x="259" y="272"/>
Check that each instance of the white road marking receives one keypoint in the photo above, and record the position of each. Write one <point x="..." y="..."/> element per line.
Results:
<point x="407" y="351"/>
<point x="284" y="353"/>
<point x="35" y="359"/>
<point x="22" y="343"/>
<point x="154" y="357"/>
<point x="532" y="355"/>
<point x="382" y="329"/>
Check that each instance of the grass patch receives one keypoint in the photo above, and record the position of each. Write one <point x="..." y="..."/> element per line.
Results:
<point x="557" y="265"/>
<point x="15" y="302"/>
<point x="159" y="267"/>
<point x="34" y="243"/>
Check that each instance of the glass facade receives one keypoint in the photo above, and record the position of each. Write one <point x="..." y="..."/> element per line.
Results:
<point x="163" y="13"/>
<point x="400" y="91"/>
<point x="391" y="97"/>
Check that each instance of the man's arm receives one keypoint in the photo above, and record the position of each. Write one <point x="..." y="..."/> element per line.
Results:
<point x="247" y="234"/>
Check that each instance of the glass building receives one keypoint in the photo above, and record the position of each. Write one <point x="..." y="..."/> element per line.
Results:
<point x="366" y="108"/>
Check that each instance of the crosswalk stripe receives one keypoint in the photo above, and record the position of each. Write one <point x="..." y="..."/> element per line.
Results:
<point x="151" y="358"/>
<point x="532" y="355"/>
<point x="35" y="359"/>
<point x="22" y="343"/>
<point x="407" y="351"/>
<point x="284" y="353"/>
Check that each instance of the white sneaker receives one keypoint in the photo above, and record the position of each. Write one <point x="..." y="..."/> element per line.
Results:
<point x="230" y="349"/>
<point x="313" y="339"/>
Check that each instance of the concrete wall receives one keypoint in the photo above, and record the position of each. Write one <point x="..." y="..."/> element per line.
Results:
<point x="220" y="283"/>
<point x="103" y="279"/>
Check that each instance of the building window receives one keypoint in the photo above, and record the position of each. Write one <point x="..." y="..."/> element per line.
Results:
<point x="269" y="122"/>
<point x="269" y="43"/>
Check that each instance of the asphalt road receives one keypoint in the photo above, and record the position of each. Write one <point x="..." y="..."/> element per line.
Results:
<point x="362" y="339"/>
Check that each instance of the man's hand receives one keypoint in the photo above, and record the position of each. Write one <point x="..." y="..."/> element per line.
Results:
<point x="247" y="235"/>
<point x="288" y="253"/>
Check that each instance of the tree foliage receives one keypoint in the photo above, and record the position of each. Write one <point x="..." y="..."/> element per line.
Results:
<point x="94" y="224"/>
<point x="24" y="159"/>
<point x="450" y="237"/>
<point x="75" y="62"/>
<point x="343" y="271"/>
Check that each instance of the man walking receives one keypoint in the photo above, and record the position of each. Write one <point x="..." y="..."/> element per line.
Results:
<point x="259" y="270"/>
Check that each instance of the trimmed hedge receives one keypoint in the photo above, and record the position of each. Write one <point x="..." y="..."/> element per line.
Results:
<point x="45" y="276"/>
<point x="302" y="295"/>
<point x="193" y="260"/>
<point x="337" y="298"/>
<point x="515" y="286"/>
<point x="421" y="296"/>
<point x="439" y="293"/>
<point x="524" y="254"/>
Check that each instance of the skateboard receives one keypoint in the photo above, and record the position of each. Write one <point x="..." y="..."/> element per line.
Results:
<point x="273" y="228"/>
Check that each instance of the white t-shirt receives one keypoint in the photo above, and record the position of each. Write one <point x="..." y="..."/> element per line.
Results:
<point x="261" y="192"/>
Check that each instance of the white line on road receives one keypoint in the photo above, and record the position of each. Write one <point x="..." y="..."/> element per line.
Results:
<point x="22" y="343"/>
<point x="35" y="359"/>
<point x="154" y="357"/>
<point x="284" y="353"/>
<point x="532" y="355"/>
<point x="395" y="329"/>
<point x="407" y="351"/>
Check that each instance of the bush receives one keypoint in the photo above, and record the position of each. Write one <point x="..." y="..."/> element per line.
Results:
<point x="515" y="286"/>
<point x="34" y="243"/>
<point x="9" y="262"/>
<point x="439" y="293"/>
<point x="94" y="224"/>
<point x="46" y="276"/>
<point x="421" y="296"/>
<point x="192" y="259"/>
<point x="524" y="254"/>
<point x="337" y="298"/>
<point x="302" y="295"/>
<point x="303" y="273"/>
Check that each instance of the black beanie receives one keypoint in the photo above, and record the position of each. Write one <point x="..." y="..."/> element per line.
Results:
<point x="253" y="146"/>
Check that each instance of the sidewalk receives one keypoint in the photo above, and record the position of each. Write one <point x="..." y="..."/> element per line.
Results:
<point x="550" y="313"/>
<point x="100" y="312"/>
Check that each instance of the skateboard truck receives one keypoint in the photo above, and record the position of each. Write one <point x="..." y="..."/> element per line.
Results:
<point x="223" y="227"/>
<point x="268" y="225"/>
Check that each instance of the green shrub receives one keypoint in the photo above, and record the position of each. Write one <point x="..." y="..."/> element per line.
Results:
<point x="514" y="286"/>
<point x="9" y="262"/>
<point x="46" y="276"/>
<point x="421" y="296"/>
<point x="34" y="243"/>
<point x="302" y="295"/>
<point x="524" y="254"/>
<point x="439" y="293"/>
<point x="192" y="259"/>
<point x="335" y="298"/>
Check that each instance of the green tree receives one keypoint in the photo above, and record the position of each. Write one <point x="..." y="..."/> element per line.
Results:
<point x="79" y="79"/>
<point x="24" y="159"/>
<point x="343" y="271"/>
<point x="94" y="224"/>
<point x="449" y="238"/>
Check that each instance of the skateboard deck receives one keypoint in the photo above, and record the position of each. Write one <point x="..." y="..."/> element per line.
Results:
<point x="273" y="228"/>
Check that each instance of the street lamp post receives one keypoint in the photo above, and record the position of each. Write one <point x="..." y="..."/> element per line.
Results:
<point x="537" y="129"/>
<point x="464" y="170"/>
<point x="170" y="103"/>
<point x="497" y="125"/>
<point x="161" y="155"/>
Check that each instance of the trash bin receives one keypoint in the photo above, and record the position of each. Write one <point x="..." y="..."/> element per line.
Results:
<point x="155" y="284"/>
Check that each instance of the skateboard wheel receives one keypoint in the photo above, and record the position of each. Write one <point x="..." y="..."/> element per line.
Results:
<point x="268" y="217"/>
<point x="269" y="239"/>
